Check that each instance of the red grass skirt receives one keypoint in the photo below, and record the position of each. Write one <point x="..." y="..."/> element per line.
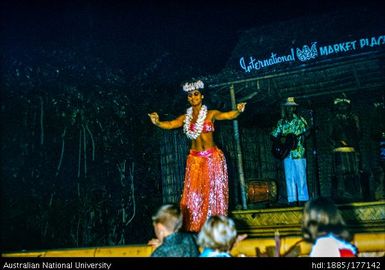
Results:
<point x="206" y="190"/>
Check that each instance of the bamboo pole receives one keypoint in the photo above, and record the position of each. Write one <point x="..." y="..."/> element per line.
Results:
<point x="85" y="150"/>
<point x="80" y="152"/>
<point x="62" y="151"/>
<point x="239" y="151"/>
<point x="41" y="120"/>
<point x="92" y="141"/>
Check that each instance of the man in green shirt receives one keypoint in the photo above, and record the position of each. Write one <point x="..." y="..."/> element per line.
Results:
<point x="293" y="126"/>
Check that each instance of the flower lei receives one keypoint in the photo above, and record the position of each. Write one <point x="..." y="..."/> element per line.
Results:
<point x="193" y="134"/>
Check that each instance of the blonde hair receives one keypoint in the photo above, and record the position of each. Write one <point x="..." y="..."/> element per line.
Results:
<point x="321" y="216"/>
<point x="218" y="233"/>
<point x="170" y="216"/>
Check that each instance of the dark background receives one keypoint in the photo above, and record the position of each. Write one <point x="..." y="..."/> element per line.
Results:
<point x="90" y="71"/>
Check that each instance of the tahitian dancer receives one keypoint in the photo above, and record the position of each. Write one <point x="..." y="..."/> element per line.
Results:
<point x="205" y="191"/>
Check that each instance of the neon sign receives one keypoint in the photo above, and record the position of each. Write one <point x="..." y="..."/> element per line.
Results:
<point x="307" y="53"/>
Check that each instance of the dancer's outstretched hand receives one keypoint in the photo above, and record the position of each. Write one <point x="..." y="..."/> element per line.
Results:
<point x="154" y="118"/>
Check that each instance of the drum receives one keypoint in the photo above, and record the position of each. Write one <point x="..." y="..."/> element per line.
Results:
<point x="261" y="191"/>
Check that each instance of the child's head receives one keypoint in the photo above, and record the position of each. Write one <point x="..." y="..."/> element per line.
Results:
<point x="321" y="216"/>
<point x="168" y="219"/>
<point x="218" y="233"/>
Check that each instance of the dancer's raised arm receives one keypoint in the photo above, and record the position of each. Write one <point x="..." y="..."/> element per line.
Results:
<point x="230" y="115"/>
<point x="176" y="123"/>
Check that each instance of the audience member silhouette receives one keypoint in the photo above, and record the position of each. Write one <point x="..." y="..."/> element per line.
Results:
<point x="170" y="242"/>
<point x="218" y="236"/>
<point x="324" y="226"/>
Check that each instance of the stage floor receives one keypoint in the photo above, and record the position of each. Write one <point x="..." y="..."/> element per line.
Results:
<point x="361" y="217"/>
